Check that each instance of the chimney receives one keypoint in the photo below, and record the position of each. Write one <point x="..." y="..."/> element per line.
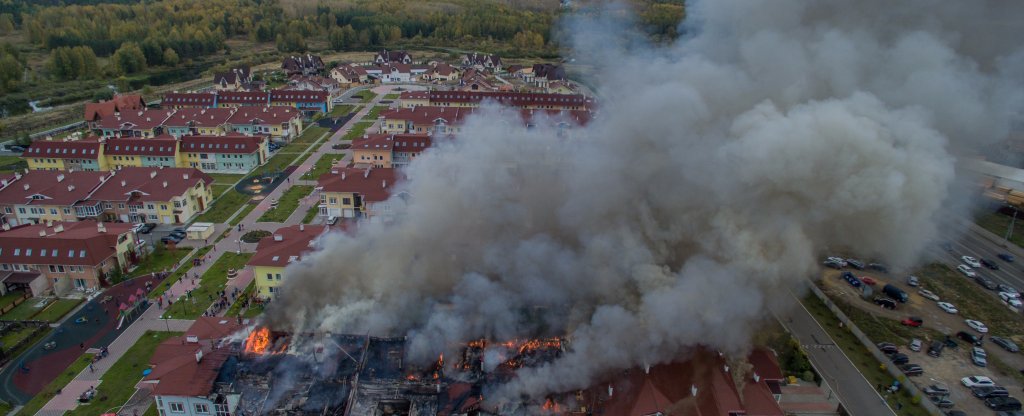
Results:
<point x="610" y="391"/>
<point x="757" y="378"/>
<point x="165" y="184"/>
<point x="100" y="228"/>
<point x="124" y="182"/>
<point x="302" y="227"/>
<point x="278" y="237"/>
<point x="42" y="233"/>
<point x="647" y="369"/>
<point x="184" y="176"/>
<point x="342" y="175"/>
<point x="71" y="188"/>
<point x="26" y="186"/>
<point x="58" y="228"/>
<point x="60" y="177"/>
<point x="384" y="183"/>
<point x="152" y="174"/>
<point x="7" y="227"/>
<point x="3" y="182"/>
<point x="693" y="390"/>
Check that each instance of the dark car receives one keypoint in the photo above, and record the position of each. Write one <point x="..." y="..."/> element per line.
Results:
<point x="899" y="359"/>
<point x="1005" y="343"/>
<point x="941" y="402"/>
<point x="986" y="282"/>
<point x="888" y="348"/>
<point x="936" y="390"/>
<point x="851" y="279"/>
<point x="951" y="343"/>
<point x="913" y="321"/>
<point x="178" y="233"/>
<point x="969" y="337"/>
<point x="885" y="303"/>
<point x="989" y="263"/>
<point x="1002" y="403"/>
<point x="984" y="392"/>
<point x="856" y="264"/>
<point x="1006" y="257"/>
<point x="878" y="267"/>
<point x="147" y="228"/>
<point x="935" y="350"/>
<point x="17" y="148"/>
<point x="912" y="369"/>
<point x="171" y="239"/>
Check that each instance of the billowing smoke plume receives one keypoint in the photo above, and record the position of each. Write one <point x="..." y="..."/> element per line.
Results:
<point x="717" y="171"/>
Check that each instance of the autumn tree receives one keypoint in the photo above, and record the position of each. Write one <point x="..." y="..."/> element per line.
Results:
<point x="128" y="59"/>
<point x="170" y="57"/>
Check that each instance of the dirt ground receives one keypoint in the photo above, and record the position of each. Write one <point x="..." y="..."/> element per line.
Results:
<point x="954" y="364"/>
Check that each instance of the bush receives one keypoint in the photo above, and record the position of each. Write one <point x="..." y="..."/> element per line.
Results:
<point x="808" y="376"/>
<point x="915" y="400"/>
<point x="254" y="236"/>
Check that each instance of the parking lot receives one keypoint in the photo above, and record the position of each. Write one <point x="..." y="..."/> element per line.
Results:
<point x="954" y="364"/>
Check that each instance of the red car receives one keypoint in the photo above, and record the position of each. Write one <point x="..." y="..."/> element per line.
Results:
<point x="869" y="281"/>
<point x="913" y="321"/>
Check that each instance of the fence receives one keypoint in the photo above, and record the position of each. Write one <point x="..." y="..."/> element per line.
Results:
<point x="864" y="340"/>
<point x="7" y="308"/>
<point x="6" y="353"/>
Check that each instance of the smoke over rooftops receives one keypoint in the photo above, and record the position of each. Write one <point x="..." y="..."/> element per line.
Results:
<point x="717" y="170"/>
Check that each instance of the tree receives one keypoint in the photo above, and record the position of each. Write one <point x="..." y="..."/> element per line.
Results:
<point x="170" y="57"/>
<point x="10" y="73"/>
<point x="129" y="59"/>
<point x="122" y="84"/>
<point x="6" y="23"/>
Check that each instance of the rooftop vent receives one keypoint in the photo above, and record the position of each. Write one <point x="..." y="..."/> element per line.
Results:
<point x="60" y="177"/>
<point x="278" y="237"/>
<point x="42" y="233"/>
<point x="58" y="228"/>
<point x="26" y="186"/>
<point x="302" y="227"/>
<point x="71" y="188"/>
<point x="184" y="176"/>
<point x="165" y="184"/>
<point x="100" y="228"/>
<point x="152" y="174"/>
<point x="124" y="182"/>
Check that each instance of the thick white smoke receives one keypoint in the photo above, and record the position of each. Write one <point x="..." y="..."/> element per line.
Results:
<point x="717" y="170"/>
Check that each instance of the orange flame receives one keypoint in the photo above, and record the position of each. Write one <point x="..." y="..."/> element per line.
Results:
<point x="257" y="341"/>
<point x="550" y="405"/>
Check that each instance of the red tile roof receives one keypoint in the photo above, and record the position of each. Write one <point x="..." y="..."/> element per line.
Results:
<point x="78" y="149"/>
<point x="200" y="117"/>
<point x="120" y="103"/>
<point x="421" y="115"/>
<point x="276" y="115"/>
<point x="414" y="95"/>
<point x="136" y="119"/>
<point x="373" y="184"/>
<point x="151" y="184"/>
<point x="243" y="97"/>
<point x="49" y="187"/>
<point x="294" y="241"/>
<point x="188" y="99"/>
<point x="372" y="142"/>
<point x="163" y="145"/>
<point x="578" y="117"/>
<point x="79" y="243"/>
<point x="412" y="143"/>
<point x="228" y="143"/>
<point x="290" y="96"/>
<point x="174" y="362"/>
<point x="515" y="99"/>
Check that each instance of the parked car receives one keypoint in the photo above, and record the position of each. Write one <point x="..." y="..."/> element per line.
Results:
<point x="869" y="281"/>
<point x="878" y="267"/>
<point x="975" y="381"/>
<point x="915" y="345"/>
<point x="976" y="325"/>
<point x="989" y="263"/>
<point x="171" y="239"/>
<point x="979" y="357"/>
<point x="332" y="220"/>
<point x="895" y="293"/>
<point x="941" y="402"/>
<point x="1008" y="289"/>
<point x="832" y="264"/>
<point x="912" y="281"/>
<point x="851" y="279"/>
<point x="927" y="294"/>
<point x="911" y="369"/>
<point x="935" y="350"/>
<point x="1007" y="257"/>
<point x="1002" y="403"/>
<point x="16" y="148"/>
<point x="837" y="260"/>
<point x="1012" y="301"/>
<point x="899" y="359"/>
<point x="951" y="343"/>
<point x="985" y="282"/>
<point x="971" y="261"/>
<point x="913" y="321"/>
<point x="888" y="348"/>
<point x="984" y="392"/>
<point x="948" y="307"/>
<point x="969" y="337"/>
<point x="937" y="389"/>
<point x="1005" y="343"/>
<point x="856" y="264"/>
<point x="966" y="270"/>
<point x="885" y="303"/>
<point x="146" y="228"/>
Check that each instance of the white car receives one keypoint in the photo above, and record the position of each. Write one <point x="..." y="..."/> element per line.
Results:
<point x="948" y="307"/>
<point x="977" y="381"/>
<point x="837" y="260"/>
<point x="1012" y="300"/>
<point x="966" y="270"/>
<point x="927" y="294"/>
<point x="971" y="261"/>
<point x="976" y="325"/>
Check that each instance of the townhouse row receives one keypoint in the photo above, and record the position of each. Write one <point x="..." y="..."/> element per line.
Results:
<point x="228" y="153"/>
<point x="449" y="120"/>
<point x="277" y="122"/>
<point x="308" y="101"/>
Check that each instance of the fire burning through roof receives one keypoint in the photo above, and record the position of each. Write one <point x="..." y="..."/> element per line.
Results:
<point x="257" y="341"/>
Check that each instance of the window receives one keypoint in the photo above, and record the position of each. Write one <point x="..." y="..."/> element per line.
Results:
<point x="278" y="276"/>
<point x="21" y="210"/>
<point x="53" y="211"/>
<point x="271" y="289"/>
<point x="121" y="206"/>
<point x="334" y="200"/>
<point x="6" y="266"/>
<point x="346" y="201"/>
<point x="71" y="253"/>
<point x="149" y="206"/>
<point x="176" y="407"/>
<point x="81" y="254"/>
<point x="28" y="252"/>
<point x="17" y="252"/>
<point x="42" y="252"/>
<point x="270" y="276"/>
<point x="202" y="408"/>
<point x="8" y="210"/>
<point x="163" y="207"/>
<point x="67" y="211"/>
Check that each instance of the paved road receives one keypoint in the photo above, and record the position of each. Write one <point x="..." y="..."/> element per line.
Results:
<point x="980" y="243"/>
<point x="855" y="392"/>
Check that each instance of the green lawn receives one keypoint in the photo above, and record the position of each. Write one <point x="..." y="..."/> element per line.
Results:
<point x="223" y="207"/>
<point x="374" y="112"/>
<point x="58" y="383"/>
<point x="287" y="204"/>
<point x="184" y="269"/>
<point x="236" y="308"/>
<point x="252" y="312"/>
<point x="11" y="338"/>
<point x="119" y="381"/>
<point x="343" y="109"/>
<point x="970" y="298"/>
<point x="12" y="163"/>
<point x="57" y="310"/>
<point x="9" y="299"/>
<point x="24" y="311"/>
<point x="322" y="166"/>
<point x="242" y="214"/>
<point x="226" y="178"/>
<point x="392" y="96"/>
<point x="366" y="95"/>
<point x="311" y="214"/>
<point x="870" y="367"/>
<point x="998" y="223"/>
<point x="357" y="130"/>
<point x="309" y="135"/>
<point x="220" y="189"/>
<point x="151" y="411"/>
<point x="212" y="282"/>
<point x="159" y="260"/>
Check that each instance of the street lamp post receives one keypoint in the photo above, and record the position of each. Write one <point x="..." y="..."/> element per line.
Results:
<point x="1009" y="230"/>
<point x="166" y="323"/>
<point x="239" y="246"/>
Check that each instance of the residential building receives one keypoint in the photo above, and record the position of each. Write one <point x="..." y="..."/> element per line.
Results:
<point x="176" y="100"/>
<point x="70" y="255"/>
<point x="546" y="73"/>
<point x="275" y="252"/>
<point x="142" y="123"/>
<point x="423" y="120"/>
<point x="314" y="83"/>
<point x="234" y="79"/>
<point x="277" y="122"/>
<point x="207" y="121"/>
<point x="441" y="72"/>
<point x="510" y="99"/>
<point x="410" y="99"/>
<point x="44" y="195"/>
<point x="357" y="193"/>
<point x="159" y="195"/>
<point x="350" y="74"/>
<point x="243" y="99"/>
<point x="185" y="370"/>
<point x="392" y="57"/>
<point x="482" y="62"/>
<point x="160" y="151"/>
<point x="229" y="153"/>
<point x="302" y="65"/>
<point x="473" y="80"/>
<point x="94" y="112"/>
<point x="392" y="73"/>
<point x="388" y="150"/>
<point x="308" y="102"/>
<point x="86" y="154"/>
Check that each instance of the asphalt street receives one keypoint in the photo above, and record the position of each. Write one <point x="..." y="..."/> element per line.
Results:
<point x="980" y="243"/>
<point x="855" y="392"/>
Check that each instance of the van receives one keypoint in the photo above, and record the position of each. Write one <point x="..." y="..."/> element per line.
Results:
<point x="895" y="293"/>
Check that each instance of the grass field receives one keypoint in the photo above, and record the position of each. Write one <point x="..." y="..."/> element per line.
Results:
<point x="11" y="163"/>
<point x="212" y="282"/>
<point x="242" y="214"/>
<point x="998" y="223"/>
<point x="220" y="189"/>
<point x="343" y="109"/>
<point x="391" y="96"/>
<point x="118" y="384"/>
<point x="970" y="298"/>
<point x="9" y="298"/>
<point x="308" y="136"/>
<point x="24" y="311"/>
<point x="185" y="267"/>
<point x="311" y="214"/>
<point x="236" y="308"/>
<point x="57" y="310"/>
<point x="366" y="95"/>
<point x="226" y="178"/>
<point x="223" y="207"/>
<point x="374" y="112"/>
<point x="357" y="130"/>
<point x="58" y="383"/>
<point x="287" y="204"/>
<point x="11" y="338"/>
<point x="159" y="260"/>
<point x="322" y="166"/>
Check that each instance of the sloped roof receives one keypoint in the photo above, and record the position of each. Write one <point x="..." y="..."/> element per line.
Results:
<point x="274" y="115"/>
<point x="119" y="103"/>
<point x="428" y="115"/>
<point x="163" y="145"/>
<point x="372" y="142"/>
<point x="515" y="99"/>
<point x="373" y="184"/>
<point x="294" y="242"/>
<point x="228" y="143"/>
<point x="50" y="187"/>
<point x="200" y="117"/>
<point x="188" y="99"/>
<point x="149" y="183"/>
<point x="77" y="149"/>
<point x="243" y="97"/>
<point x="302" y="96"/>
<point x="79" y="243"/>
<point x="175" y="367"/>
<point x="136" y="119"/>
